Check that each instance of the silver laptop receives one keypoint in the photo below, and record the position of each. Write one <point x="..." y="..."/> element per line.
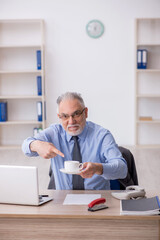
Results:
<point x="19" y="185"/>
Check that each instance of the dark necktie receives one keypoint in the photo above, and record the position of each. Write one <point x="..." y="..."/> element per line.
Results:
<point x="78" y="182"/>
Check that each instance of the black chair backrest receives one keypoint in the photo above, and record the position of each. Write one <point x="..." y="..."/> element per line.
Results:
<point x="51" y="184"/>
<point x="131" y="178"/>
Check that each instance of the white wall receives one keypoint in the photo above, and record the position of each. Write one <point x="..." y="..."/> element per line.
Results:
<point x="102" y="70"/>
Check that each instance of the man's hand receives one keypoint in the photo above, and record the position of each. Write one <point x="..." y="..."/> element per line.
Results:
<point x="45" y="149"/>
<point x="89" y="169"/>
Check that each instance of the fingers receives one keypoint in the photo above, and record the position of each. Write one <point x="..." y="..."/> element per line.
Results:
<point x="87" y="171"/>
<point x="58" y="152"/>
<point x="53" y="151"/>
<point x="45" y="149"/>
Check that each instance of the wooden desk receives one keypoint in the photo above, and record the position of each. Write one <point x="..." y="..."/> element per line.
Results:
<point x="54" y="220"/>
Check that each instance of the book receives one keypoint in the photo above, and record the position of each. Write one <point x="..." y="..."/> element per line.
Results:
<point x="38" y="59"/>
<point x="39" y="111"/>
<point x="3" y="112"/>
<point x="145" y="118"/>
<point x="142" y="206"/>
<point x="39" y="85"/>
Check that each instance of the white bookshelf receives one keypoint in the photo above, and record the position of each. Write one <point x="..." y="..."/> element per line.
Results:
<point x="147" y="97"/>
<point x="19" y="41"/>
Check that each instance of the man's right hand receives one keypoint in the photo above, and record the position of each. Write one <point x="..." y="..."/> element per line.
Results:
<point x="45" y="149"/>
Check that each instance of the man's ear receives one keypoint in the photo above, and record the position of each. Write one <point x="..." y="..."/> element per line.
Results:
<point x="86" y="112"/>
<point x="58" y="116"/>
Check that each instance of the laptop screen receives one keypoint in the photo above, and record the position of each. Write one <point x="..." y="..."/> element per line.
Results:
<point x="19" y="185"/>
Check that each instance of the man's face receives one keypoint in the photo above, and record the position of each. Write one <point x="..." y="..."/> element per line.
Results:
<point x="72" y="116"/>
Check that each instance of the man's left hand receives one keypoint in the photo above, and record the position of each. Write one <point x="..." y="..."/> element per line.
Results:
<point x="89" y="169"/>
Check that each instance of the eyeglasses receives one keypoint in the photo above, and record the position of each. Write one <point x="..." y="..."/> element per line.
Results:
<point x="74" y="115"/>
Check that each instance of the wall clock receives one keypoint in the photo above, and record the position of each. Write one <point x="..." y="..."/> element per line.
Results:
<point x="95" y="28"/>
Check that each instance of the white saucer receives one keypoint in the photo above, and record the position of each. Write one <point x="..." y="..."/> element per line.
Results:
<point x="75" y="172"/>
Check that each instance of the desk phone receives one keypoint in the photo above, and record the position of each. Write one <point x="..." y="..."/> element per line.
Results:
<point x="133" y="191"/>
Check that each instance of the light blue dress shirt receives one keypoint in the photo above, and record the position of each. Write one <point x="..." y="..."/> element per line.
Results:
<point x="96" y="145"/>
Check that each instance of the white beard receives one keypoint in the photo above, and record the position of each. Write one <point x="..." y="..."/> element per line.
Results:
<point x="76" y="132"/>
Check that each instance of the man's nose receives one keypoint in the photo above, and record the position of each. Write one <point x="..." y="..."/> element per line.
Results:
<point x="71" y="120"/>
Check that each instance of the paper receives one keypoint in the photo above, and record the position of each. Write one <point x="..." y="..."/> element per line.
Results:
<point x="80" y="199"/>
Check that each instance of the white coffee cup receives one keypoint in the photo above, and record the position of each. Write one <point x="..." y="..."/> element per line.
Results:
<point x="73" y="166"/>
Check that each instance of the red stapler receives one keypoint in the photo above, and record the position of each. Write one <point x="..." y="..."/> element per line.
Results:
<point x="97" y="204"/>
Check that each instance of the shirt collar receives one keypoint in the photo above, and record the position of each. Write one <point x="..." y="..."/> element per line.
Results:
<point x="81" y="136"/>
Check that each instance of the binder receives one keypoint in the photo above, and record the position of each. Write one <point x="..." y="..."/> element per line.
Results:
<point x="144" y="59"/>
<point x="39" y="85"/>
<point x="39" y="111"/>
<point x="3" y="112"/>
<point x="143" y="206"/>
<point x="139" y="58"/>
<point x="38" y="59"/>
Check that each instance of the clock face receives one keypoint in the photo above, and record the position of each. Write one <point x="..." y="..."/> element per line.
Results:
<point x="95" y="29"/>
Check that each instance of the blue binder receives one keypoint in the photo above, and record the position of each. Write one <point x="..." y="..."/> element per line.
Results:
<point x="39" y="111"/>
<point x="142" y="58"/>
<point x="139" y="58"/>
<point x="39" y="60"/>
<point x="3" y="112"/>
<point x="39" y="85"/>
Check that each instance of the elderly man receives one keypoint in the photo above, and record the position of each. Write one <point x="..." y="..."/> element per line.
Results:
<point x="101" y="158"/>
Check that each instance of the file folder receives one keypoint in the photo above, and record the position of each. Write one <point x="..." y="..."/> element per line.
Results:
<point x="38" y="59"/>
<point x="39" y="111"/>
<point x="142" y="206"/>
<point x="144" y="59"/>
<point x="3" y="111"/>
<point x="39" y="85"/>
<point x="139" y="58"/>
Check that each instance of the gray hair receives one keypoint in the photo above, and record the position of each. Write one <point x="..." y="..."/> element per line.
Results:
<point x="71" y="95"/>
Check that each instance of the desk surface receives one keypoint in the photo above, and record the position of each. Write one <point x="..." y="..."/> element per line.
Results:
<point x="56" y="209"/>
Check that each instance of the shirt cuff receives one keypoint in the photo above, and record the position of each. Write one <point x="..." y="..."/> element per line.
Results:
<point x="26" y="147"/>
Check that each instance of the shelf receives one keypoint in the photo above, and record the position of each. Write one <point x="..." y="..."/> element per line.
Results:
<point x="20" y="21"/>
<point x="148" y="96"/>
<point x="33" y="122"/>
<point x="148" y="122"/>
<point x="148" y="146"/>
<point x="148" y="70"/>
<point x="147" y="83"/>
<point x="22" y="97"/>
<point x="21" y="71"/>
<point x="20" y="46"/>
<point x="20" y="80"/>
<point x="148" y="44"/>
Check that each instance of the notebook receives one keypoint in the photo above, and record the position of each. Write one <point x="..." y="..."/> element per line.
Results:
<point x="143" y="206"/>
<point x="19" y="185"/>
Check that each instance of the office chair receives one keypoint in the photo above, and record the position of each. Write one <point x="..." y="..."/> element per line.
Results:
<point x="119" y="184"/>
<point x="131" y="178"/>
<point x="51" y="184"/>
